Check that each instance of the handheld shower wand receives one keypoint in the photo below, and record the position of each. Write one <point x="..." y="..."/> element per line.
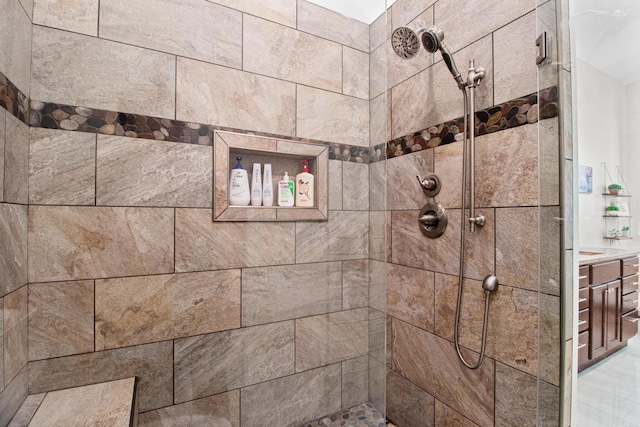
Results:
<point x="405" y="43"/>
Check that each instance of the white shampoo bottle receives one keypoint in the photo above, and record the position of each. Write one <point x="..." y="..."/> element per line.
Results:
<point x="267" y="186"/>
<point x="304" y="186"/>
<point x="239" y="186"/>
<point x="256" y="186"/>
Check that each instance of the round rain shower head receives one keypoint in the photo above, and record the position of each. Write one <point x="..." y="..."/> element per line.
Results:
<point x="405" y="42"/>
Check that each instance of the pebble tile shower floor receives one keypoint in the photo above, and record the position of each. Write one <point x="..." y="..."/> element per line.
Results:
<point x="365" y="415"/>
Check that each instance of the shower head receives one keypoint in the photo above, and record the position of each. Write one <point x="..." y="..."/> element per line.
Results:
<point x="405" y="42"/>
<point x="432" y="39"/>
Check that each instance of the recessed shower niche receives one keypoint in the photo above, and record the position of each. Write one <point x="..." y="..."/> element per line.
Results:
<point x="283" y="155"/>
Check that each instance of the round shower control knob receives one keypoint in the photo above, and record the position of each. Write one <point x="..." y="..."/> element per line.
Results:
<point x="432" y="220"/>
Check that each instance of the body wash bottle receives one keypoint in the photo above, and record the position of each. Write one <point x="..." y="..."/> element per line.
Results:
<point x="256" y="186"/>
<point x="285" y="191"/>
<point x="239" y="186"/>
<point x="305" y="186"/>
<point x="267" y="186"/>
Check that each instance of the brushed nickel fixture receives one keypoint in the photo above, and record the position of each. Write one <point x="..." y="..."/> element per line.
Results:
<point x="431" y="185"/>
<point x="405" y="42"/>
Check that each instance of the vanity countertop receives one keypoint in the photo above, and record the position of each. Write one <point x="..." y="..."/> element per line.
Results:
<point x="594" y="255"/>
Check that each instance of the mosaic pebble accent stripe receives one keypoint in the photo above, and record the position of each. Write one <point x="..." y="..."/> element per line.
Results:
<point x="83" y="119"/>
<point x="13" y="100"/>
<point x="521" y="111"/>
<point x="525" y="110"/>
<point x="365" y="415"/>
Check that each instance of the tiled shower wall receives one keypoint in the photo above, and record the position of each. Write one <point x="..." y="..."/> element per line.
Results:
<point x="15" y="52"/>
<point x="516" y="190"/>
<point x="252" y="323"/>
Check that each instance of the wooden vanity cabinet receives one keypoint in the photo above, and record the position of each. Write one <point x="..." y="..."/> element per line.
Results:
<point x="607" y="308"/>
<point x="604" y="326"/>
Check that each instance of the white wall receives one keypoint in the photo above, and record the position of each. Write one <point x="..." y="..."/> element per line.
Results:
<point x="602" y="137"/>
<point x="632" y="158"/>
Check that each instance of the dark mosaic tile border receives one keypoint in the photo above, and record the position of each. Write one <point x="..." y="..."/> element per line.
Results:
<point x="13" y="100"/>
<point x="83" y="119"/>
<point x="518" y="112"/>
<point x="521" y="111"/>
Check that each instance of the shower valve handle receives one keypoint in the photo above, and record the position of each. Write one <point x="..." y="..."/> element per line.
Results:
<point x="431" y="184"/>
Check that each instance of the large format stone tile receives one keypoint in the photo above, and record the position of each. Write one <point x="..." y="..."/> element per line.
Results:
<point x="330" y="338"/>
<point x="134" y="172"/>
<point x="150" y="363"/>
<point x="214" y="363"/>
<point x="410" y="247"/>
<point x="550" y="339"/>
<point x="202" y="244"/>
<point x="72" y="69"/>
<point x="78" y="16"/>
<point x="16" y="161"/>
<point x="332" y="117"/>
<point x="407" y="404"/>
<point x="27" y="5"/>
<point x="446" y="416"/>
<point x="507" y="167"/>
<point x="355" y="284"/>
<point x="287" y="54"/>
<point x="138" y="310"/>
<point x="345" y="236"/>
<point x="28" y="408"/>
<point x="61" y="319"/>
<point x="355" y="186"/>
<point x="355" y="73"/>
<point x="272" y="294"/>
<point x="403" y="189"/>
<point x="67" y="243"/>
<point x="104" y="404"/>
<point x="214" y="411"/>
<point x="379" y="30"/>
<point x="3" y="128"/>
<point x="13" y="396"/>
<point x="290" y="401"/>
<point x="355" y="382"/>
<point x="377" y="186"/>
<point x="432" y="364"/>
<point x="517" y="247"/>
<point x="516" y="72"/>
<point x="162" y="25"/>
<point x="410" y="295"/>
<point x="331" y="25"/>
<point x="280" y="11"/>
<point x="447" y="164"/>
<point x="512" y="337"/>
<point x="15" y="33"/>
<point x="335" y="185"/>
<point x="62" y="167"/>
<point x="13" y="251"/>
<point x="378" y="225"/>
<point x="2" y="346"/>
<point x="217" y="95"/>
<point x="409" y="116"/>
<point x="459" y="19"/>
<point x="380" y="120"/>
<point x="15" y="333"/>
<point x="405" y="11"/>
<point x="516" y="398"/>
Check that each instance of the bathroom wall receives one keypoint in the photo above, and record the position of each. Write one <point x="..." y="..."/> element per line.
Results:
<point x="15" y="33"/>
<point x="128" y="275"/>
<point x="597" y="125"/>
<point x="517" y="179"/>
